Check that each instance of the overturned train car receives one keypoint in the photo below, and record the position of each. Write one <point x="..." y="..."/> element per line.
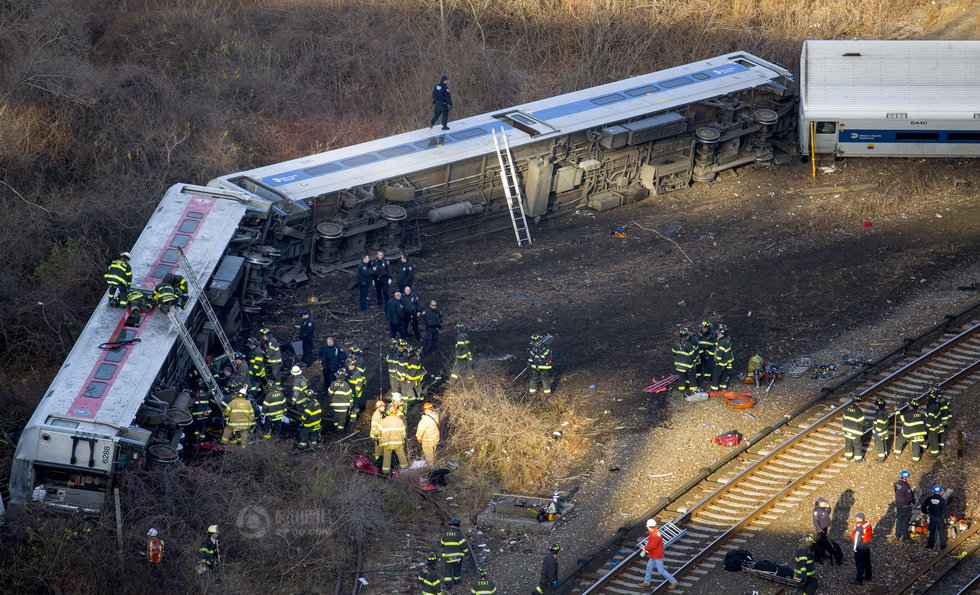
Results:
<point x="598" y="148"/>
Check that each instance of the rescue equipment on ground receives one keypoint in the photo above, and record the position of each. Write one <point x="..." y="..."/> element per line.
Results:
<point x="661" y="385"/>
<point x="742" y="400"/>
<point x="732" y="438"/>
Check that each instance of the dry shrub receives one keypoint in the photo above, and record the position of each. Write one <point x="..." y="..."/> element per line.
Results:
<point x="510" y="437"/>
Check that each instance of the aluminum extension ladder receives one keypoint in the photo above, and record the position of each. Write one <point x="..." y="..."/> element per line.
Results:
<point x="206" y="304"/>
<point x="512" y="190"/>
<point x="196" y="357"/>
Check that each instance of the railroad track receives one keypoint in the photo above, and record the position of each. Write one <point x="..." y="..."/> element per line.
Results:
<point x="736" y="499"/>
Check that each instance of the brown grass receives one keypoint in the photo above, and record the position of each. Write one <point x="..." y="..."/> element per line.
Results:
<point x="510" y="437"/>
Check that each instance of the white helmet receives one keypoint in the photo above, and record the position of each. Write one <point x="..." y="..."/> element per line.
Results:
<point x="651" y="523"/>
<point x="295" y="371"/>
<point x="396" y="396"/>
<point x="152" y="533"/>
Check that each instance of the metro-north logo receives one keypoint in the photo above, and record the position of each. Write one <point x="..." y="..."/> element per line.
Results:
<point x="855" y="135"/>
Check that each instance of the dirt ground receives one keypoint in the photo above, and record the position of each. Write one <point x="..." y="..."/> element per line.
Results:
<point x="793" y="267"/>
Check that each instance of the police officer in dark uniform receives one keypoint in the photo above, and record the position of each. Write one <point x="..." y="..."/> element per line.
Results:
<point x="432" y="319"/>
<point x="365" y="276"/>
<point x="332" y="357"/>
<point x="442" y="101"/>
<point x="382" y="277"/>
<point x="411" y="308"/>
<point x="406" y="273"/>
<point x="904" y="500"/>
<point x="307" y="334"/>
<point x="935" y="506"/>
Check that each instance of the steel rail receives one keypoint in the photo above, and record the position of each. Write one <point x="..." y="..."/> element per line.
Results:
<point x="922" y="569"/>
<point x="772" y="455"/>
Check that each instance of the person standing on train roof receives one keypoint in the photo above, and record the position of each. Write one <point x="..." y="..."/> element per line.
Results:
<point x="442" y="101"/>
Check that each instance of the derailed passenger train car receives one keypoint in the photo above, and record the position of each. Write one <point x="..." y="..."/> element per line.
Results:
<point x="598" y="148"/>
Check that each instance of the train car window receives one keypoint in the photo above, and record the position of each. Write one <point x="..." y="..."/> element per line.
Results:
<point x="700" y="76"/>
<point x="170" y="256"/>
<point x="95" y="389"/>
<point x="125" y="335"/>
<point x="60" y="423"/>
<point x="826" y="127"/>
<point x="188" y="226"/>
<point x="916" y="136"/>
<point x="180" y="240"/>
<point x="359" y="160"/>
<point x="606" y="99"/>
<point x="115" y="355"/>
<point x="471" y="133"/>
<point x="967" y="136"/>
<point x="396" y="151"/>
<point x="161" y="271"/>
<point x="745" y="63"/>
<point x="195" y="215"/>
<point x="677" y="82"/>
<point x="520" y="118"/>
<point x="326" y="168"/>
<point x="643" y="90"/>
<point x="105" y="371"/>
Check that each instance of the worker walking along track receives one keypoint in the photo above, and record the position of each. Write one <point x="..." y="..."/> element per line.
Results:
<point x="736" y="499"/>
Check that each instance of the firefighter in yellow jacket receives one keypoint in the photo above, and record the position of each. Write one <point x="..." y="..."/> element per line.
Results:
<point x="376" y="418"/>
<point x="393" y="434"/>
<point x="428" y="433"/>
<point x="240" y="417"/>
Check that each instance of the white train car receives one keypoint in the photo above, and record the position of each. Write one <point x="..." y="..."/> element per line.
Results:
<point x="890" y="98"/>
<point x="113" y="402"/>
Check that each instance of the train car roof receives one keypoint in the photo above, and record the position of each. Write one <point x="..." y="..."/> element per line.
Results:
<point x="97" y="389"/>
<point x="402" y="154"/>
<point x="891" y="76"/>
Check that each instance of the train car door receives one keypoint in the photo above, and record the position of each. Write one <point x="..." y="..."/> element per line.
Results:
<point x="825" y="137"/>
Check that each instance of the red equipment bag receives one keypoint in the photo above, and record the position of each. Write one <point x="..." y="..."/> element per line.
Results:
<point x="363" y="463"/>
<point x="732" y="438"/>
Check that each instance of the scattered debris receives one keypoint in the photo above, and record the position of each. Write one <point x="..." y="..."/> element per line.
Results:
<point x="660" y="474"/>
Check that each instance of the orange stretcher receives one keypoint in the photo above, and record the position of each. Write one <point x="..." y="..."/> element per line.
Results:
<point x="742" y="400"/>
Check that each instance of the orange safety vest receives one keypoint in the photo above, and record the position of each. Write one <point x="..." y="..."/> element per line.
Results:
<point x="154" y="550"/>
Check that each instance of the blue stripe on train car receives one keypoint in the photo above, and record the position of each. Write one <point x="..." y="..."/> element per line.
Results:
<point x="908" y="136"/>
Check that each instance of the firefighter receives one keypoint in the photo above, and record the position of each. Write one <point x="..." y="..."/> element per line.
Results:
<point x="119" y="276"/>
<point x="391" y="361"/>
<point x="401" y="407"/>
<point x="880" y="430"/>
<point x="938" y="417"/>
<point x="414" y="373"/>
<point x="273" y="409"/>
<point x="309" y="423"/>
<point x="273" y="355"/>
<point x="239" y="374"/>
<point x="429" y="576"/>
<point x="539" y="366"/>
<point x="376" y="418"/>
<point x="165" y="295"/>
<point x="427" y="433"/>
<point x="393" y="433"/>
<point x="341" y="400"/>
<point x="208" y="553"/>
<point x="200" y="411"/>
<point x="240" y="418"/>
<point x="721" y="371"/>
<point x="804" y="569"/>
<point x="684" y="359"/>
<point x="853" y="426"/>
<point x="154" y="548"/>
<point x="180" y="288"/>
<point x="549" y="572"/>
<point x="301" y="390"/>
<point x="704" y="342"/>
<point x="913" y="431"/>
<point x="454" y="549"/>
<point x="463" y="353"/>
<point x="483" y="586"/>
<point x="356" y="380"/>
<point x="401" y="367"/>
<point x="256" y="366"/>
<point x="137" y="301"/>
<point x="935" y="506"/>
